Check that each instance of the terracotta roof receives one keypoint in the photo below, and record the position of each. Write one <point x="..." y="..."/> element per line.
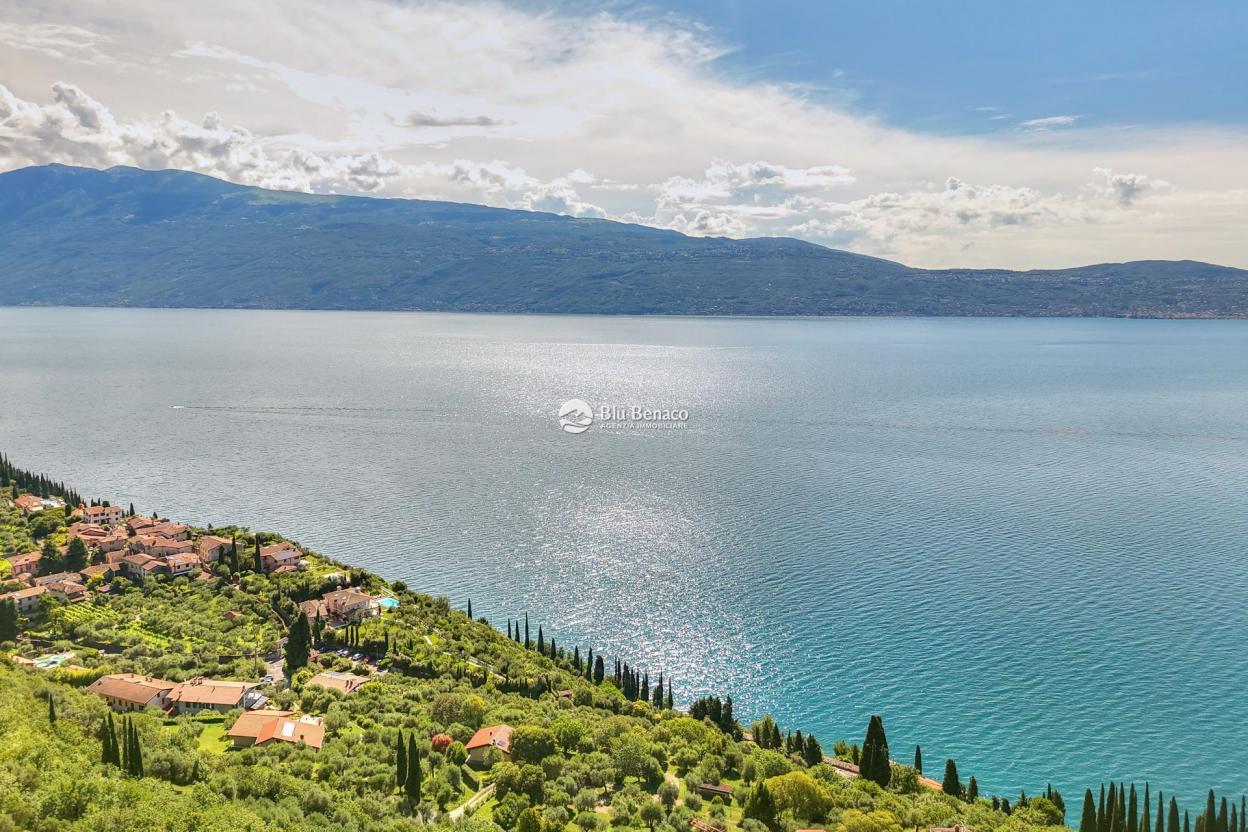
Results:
<point x="341" y="682"/>
<point x="21" y="594"/>
<point x="130" y="687"/>
<point x="250" y="723"/>
<point x="211" y="692"/>
<point x="90" y="510"/>
<point x="182" y="559"/>
<point x="138" y="559"/>
<point x="98" y="569"/>
<point x="343" y="597"/>
<point x="495" y="735"/>
<point x="277" y="725"/>
<point x="277" y="549"/>
<point x="28" y="501"/>
<point x="24" y="560"/>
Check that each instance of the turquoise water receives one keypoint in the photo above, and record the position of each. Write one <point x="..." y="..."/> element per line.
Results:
<point x="1021" y="541"/>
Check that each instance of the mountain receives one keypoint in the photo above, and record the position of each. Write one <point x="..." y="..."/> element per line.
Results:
<point x="130" y="237"/>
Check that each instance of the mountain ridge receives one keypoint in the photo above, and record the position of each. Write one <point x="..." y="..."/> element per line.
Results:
<point x="131" y="237"/>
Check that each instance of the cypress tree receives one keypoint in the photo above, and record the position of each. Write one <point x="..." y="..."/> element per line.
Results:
<point x="875" y="760"/>
<point x="669" y="704"/>
<point x="469" y="609"/>
<point x="576" y="658"/>
<point x="412" y="786"/>
<point x="8" y="620"/>
<point x="400" y="763"/>
<point x="509" y="629"/>
<point x="658" y="693"/>
<point x="541" y="640"/>
<point x="918" y="759"/>
<point x="1161" y="812"/>
<point x="1102" y="822"/>
<point x="1133" y="820"/>
<point x="106" y="740"/>
<point x="125" y="745"/>
<point x="972" y="790"/>
<point x="51" y="709"/>
<point x="527" y="644"/>
<point x="952" y="785"/>
<point x="1211" y="813"/>
<point x="600" y="671"/>
<point x="1088" y="821"/>
<point x="1145" y="811"/>
<point x="1172" y="817"/>
<point x="1222" y="817"/>
<point x="257" y="564"/>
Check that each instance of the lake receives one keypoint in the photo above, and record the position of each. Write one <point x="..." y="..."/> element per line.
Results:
<point x="1020" y="541"/>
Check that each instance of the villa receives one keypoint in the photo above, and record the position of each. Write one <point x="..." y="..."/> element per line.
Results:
<point x="496" y="736"/>
<point x="279" y="556"/>
<point x="69" y="591"/>
<point x="182" y="564"/>
<point x="27" y="564"/>
<point x="27" y="600"/>
<point x="260" y="727"/>
<point x="201" y="694"/>
<point x="102" y="515"/>
<point x="348" y="604"/>
<point x="341" y="682"/>
<point x="138" y="566"/>
<point x="132" y="692"/>
<point x="210" y="548"/>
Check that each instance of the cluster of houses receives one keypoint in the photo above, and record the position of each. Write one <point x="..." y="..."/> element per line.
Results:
<point x="135" y="547"/>
<point x="127" y="692"/>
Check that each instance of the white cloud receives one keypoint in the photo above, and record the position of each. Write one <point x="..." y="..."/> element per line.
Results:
<point x="488" y="103"/>
<point x="1049" y="122"/>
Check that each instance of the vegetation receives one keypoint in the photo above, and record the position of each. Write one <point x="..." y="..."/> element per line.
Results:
<point x="596" y="744"/>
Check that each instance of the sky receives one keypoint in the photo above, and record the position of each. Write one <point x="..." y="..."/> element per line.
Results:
<point x="935" y="133"/>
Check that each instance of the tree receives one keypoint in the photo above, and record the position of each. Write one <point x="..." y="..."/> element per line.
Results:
<point x="400" y="762"/>
<point x="532" y="744"/>
<point x="51" y="708"/>
<point x="529" y="821"/>
<point x="668" y="794"/>
<point x="812" y="752"/>
<point x="8" y="620"/>
<point x="257" y="564"/>
<point x="469" y="609"/>
<point x="918" y="759"/>
<point x="76" y="555"/>
<point x="600" y="671"/>
<point x="799" y="793"/>
<point x="1172" y="820"/>
<point x="952" y="785"/>
<point x="1087" y="823"/>
<point x="50" y="560"/>
<point x="298" y="644"/>
<point x="761" y="806"/>
<point x="412" y="785"/>
<point x="875" y="765"/>
<point x="651" y="813"/>
<point x="972" y="790"/>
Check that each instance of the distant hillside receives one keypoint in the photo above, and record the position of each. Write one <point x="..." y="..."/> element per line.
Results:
<point x="128" y="237"/>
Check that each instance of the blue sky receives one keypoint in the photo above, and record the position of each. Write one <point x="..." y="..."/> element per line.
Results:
<point x="937" y="133"/>
<point x="930" y="65"/>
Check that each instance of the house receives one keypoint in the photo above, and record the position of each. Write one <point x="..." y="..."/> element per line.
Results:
<point x="182" y="564"/>
<point x="27" y="564"/>
<point x="115" y="541"/>
<point x="132" y="692"/>
<point x="211" y="548"/>
<point x="102" y="515"/>
<point x="495" y="736"/>
<point x="27" y="600"/>
<point x="55" y="578"/>
<point x="103" y="571"/>
<point x="273" y="558"/>
<point x="710" y="791"/>
<point x="91" y="535"/>
<point x="341" y="682"/>
<point x="201" y="694"/>
<point x="29" y="503"/>
<point x="138" y="567"/>
<point x="167" y="529"/>
<point x="348" y="604"/>
<point x="842" y="766"/>
<point x="260" y="727"/>
<point x="69" y="591"/>
<point x="138" y="523"/>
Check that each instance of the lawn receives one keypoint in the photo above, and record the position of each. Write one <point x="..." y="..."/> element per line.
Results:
<point x="212" y="739"/>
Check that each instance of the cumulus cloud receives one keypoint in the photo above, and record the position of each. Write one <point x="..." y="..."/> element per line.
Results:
<point x="77" y="129"/>
<point x="1126" y="188"/>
